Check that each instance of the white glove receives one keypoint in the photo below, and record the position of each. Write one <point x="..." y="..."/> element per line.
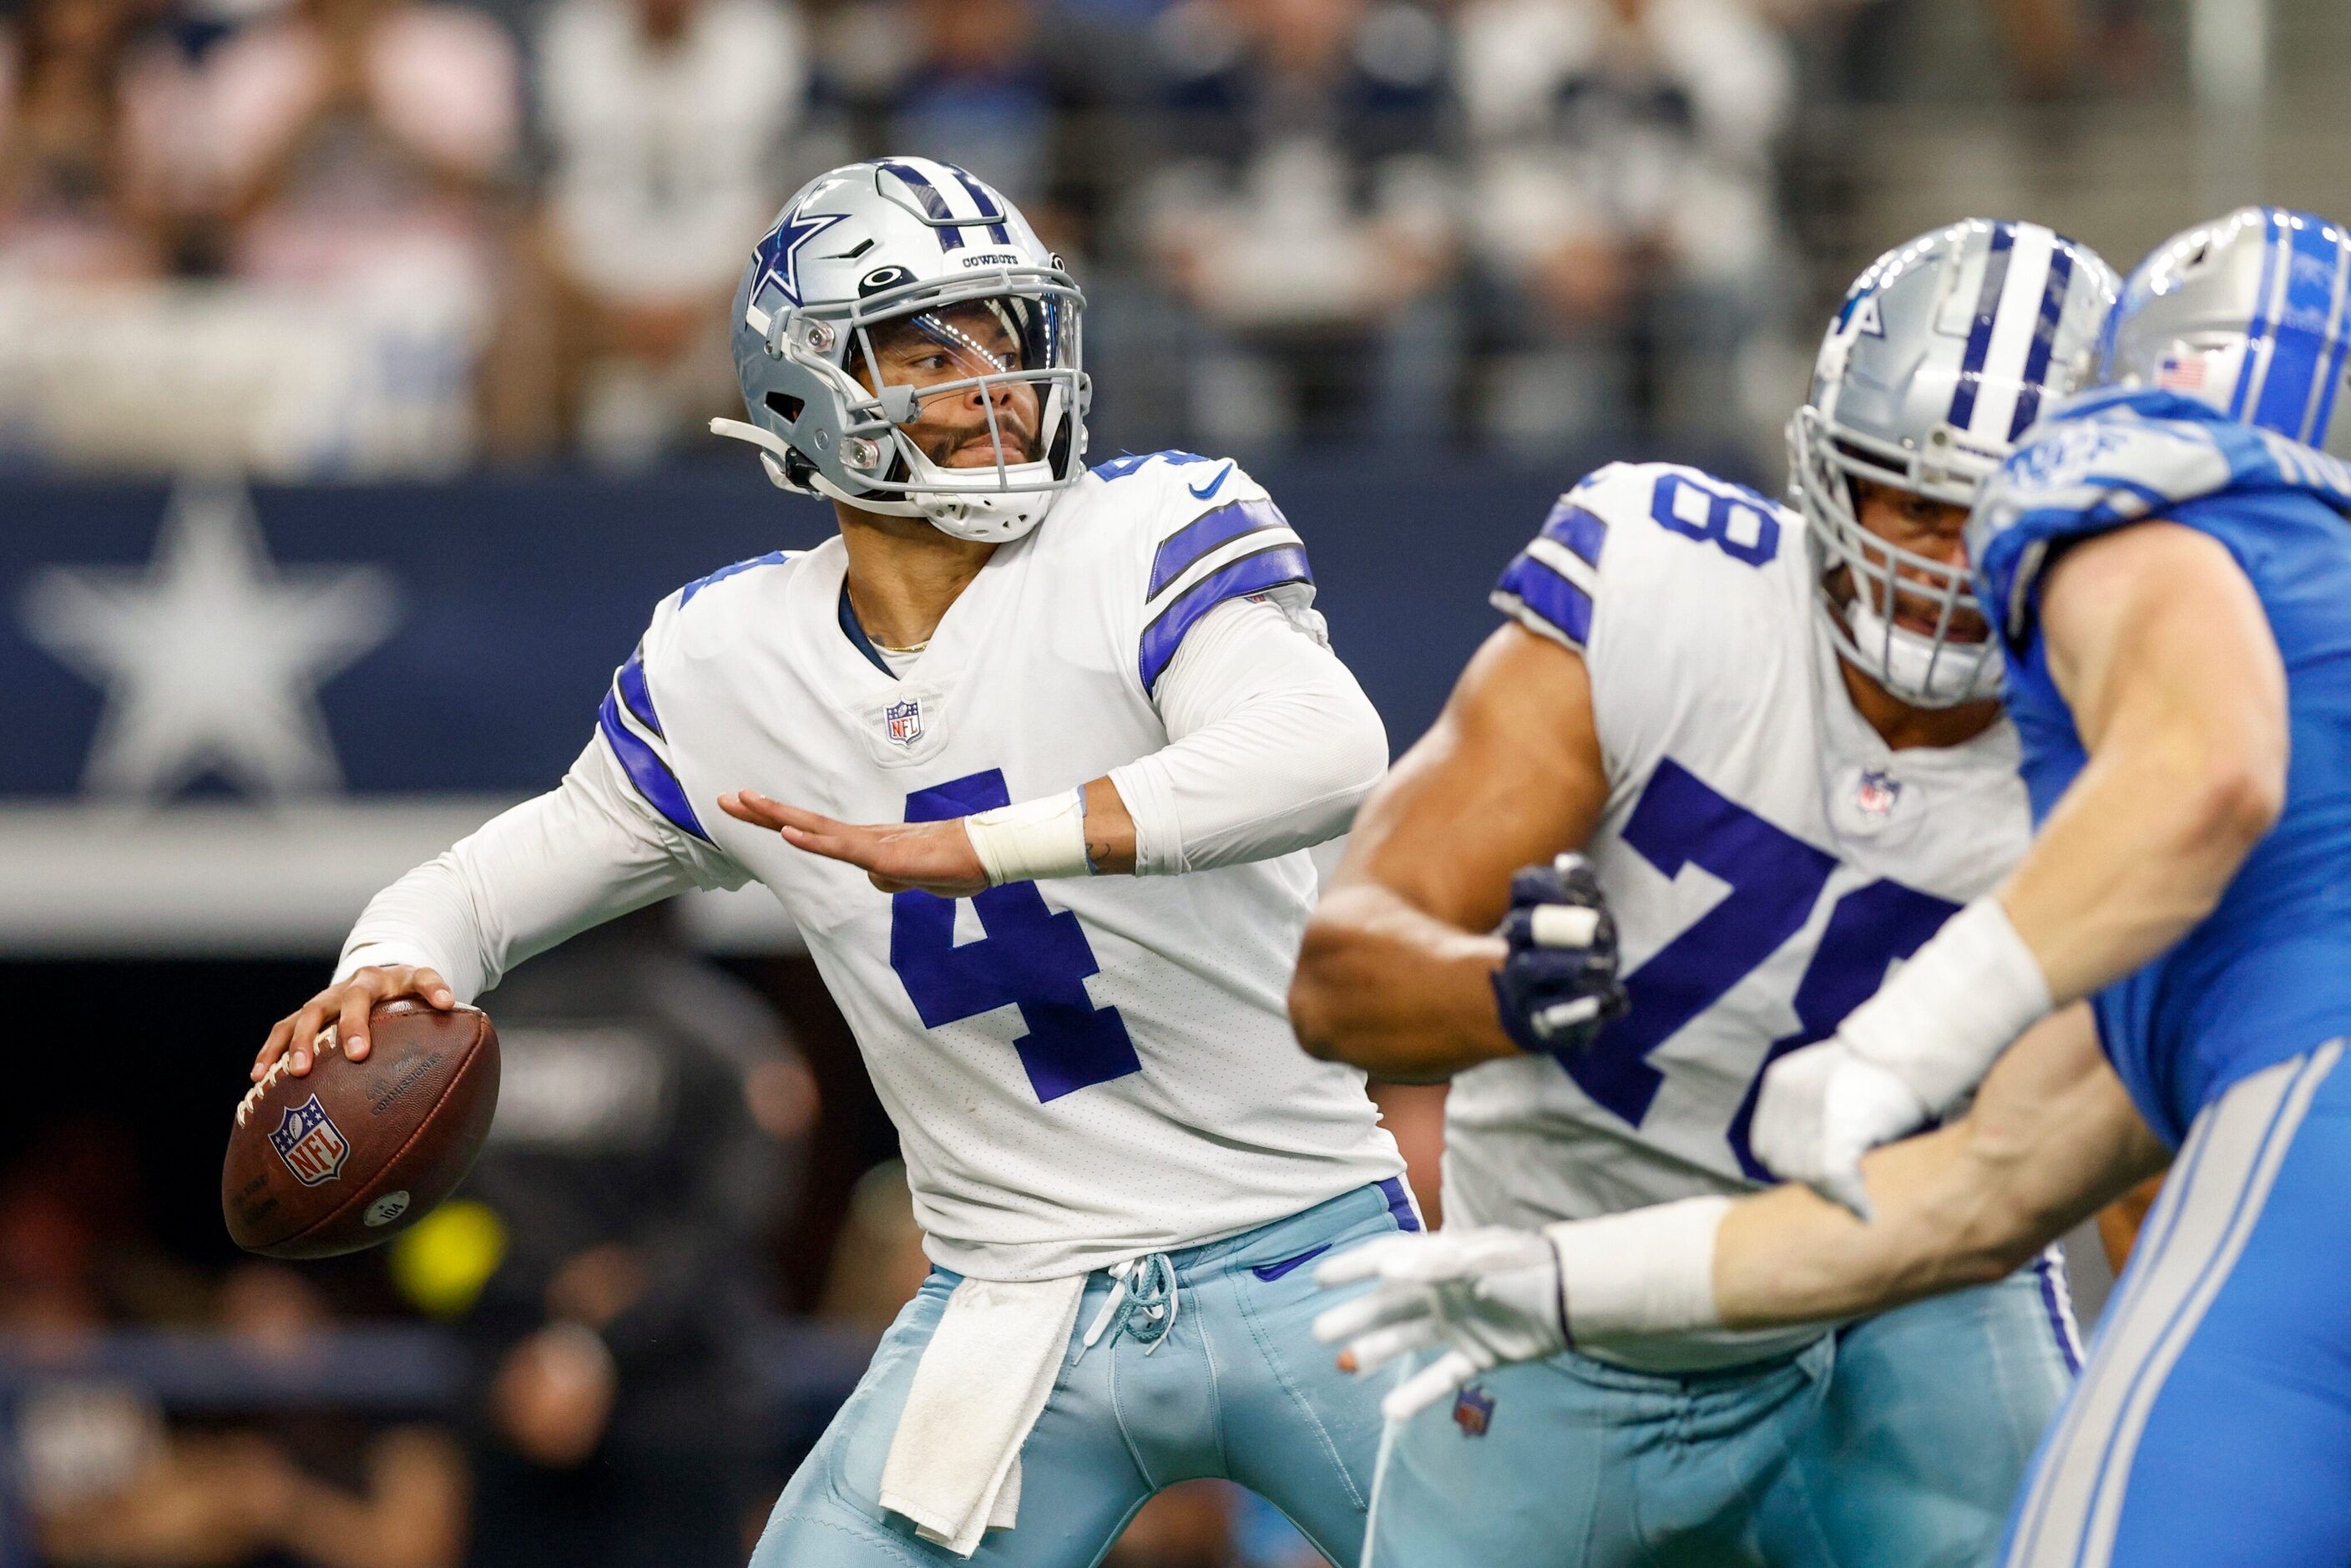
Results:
<point x="1822" y="1109"/>
<point x="1492" y="1294"/>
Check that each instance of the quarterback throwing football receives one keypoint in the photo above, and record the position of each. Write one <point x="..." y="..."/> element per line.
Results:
<point x="1097" y="722"/>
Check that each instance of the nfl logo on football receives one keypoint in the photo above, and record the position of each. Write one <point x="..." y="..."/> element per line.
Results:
<point x="903" y="722"/>
<point x="312" y="1147"/>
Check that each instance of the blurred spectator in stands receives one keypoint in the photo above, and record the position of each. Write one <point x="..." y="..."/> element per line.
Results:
<point x="1014" y="90"/>
<point x="669" y="127"/>
<point x="84" y="136"/>
<point x="1624" y="217"/>
<point x="1302" y="209"/>
<point x="607" y="1254"/>
<point x="318" y="1488"/>
<point x="358" y="153"/>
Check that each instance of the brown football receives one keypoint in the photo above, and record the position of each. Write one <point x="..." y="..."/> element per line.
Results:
<point x="359" y="1151"/>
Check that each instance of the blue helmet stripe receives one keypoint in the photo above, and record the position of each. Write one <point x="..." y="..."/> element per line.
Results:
<point x="2325" y="413"/>
<point x="950" y="237"/>
<point x="2300" y="337"/>
<point x="2044" y="338"/>
<point x="989" y="213"/>
<point x="1963" y="401"/>
<point x="2260" y="329"/>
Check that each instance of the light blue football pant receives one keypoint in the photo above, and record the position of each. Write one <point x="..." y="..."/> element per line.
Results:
<point x="1898" y="1443"/>
<point x="1238" y="1387"/>
<point x="2212" y="1427"/>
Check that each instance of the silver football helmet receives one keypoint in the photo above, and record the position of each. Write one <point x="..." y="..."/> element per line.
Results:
<point x="2246" y="313"/>
<point x="1943" y="352"/>
<point x="908" y="250"/>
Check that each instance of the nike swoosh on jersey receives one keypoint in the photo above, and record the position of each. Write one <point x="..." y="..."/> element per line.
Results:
<point x="1202" y="492"/>
<point x="1276" y="1270"/>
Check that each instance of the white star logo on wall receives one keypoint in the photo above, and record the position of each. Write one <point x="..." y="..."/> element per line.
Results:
<point x="211" y="657"/>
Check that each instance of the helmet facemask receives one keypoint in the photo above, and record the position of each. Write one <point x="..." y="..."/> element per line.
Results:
<point x="1009" y="334"/>
<point x="1867" y="583"/>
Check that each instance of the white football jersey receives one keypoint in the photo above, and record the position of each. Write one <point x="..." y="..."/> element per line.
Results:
<point x="1082" y="1069"/>
<point x="1768" y="858"/>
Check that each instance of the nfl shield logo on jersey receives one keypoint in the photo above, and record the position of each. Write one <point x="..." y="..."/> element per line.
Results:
<point x="312" y="1147"/>
<point x="1474" y="1411"/>
<point x="1876" y="794"/>
<point x="903" y="722"/>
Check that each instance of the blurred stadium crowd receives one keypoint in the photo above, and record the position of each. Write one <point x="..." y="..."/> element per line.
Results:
<point x="331" y="239"/>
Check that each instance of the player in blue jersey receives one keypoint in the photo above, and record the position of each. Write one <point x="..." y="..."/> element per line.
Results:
<point x="2169" y="563"/>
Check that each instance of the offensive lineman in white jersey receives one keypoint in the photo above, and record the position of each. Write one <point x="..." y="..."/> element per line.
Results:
<point x="1037" y="678"/>
<point x="1787" y="768"/>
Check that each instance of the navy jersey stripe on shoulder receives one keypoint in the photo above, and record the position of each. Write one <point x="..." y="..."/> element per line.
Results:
<point x="639" y="696"/>
<point x="647" y="771"/>
<point x="1578" y="528"/>
<point x="773" y="558"/>
<point x="1209" y="531"/>
<point x="1258" y="572"/>
<point x="1530" y="584"/>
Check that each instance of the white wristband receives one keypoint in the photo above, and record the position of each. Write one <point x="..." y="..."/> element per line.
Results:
<point x="1944" y="1018"/>
<point x="1030" y="841"/>
<point x="1645" y="1271"/>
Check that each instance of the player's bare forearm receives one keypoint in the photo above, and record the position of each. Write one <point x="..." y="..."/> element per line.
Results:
<point x="1396" y="973"/>
<point x="2161" y="648"/>
<point x="1422" y="990"/>
<point x="2051" y="1139"/>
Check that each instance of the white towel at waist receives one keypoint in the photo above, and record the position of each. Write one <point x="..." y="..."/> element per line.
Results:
<point x="954" y="1464"/>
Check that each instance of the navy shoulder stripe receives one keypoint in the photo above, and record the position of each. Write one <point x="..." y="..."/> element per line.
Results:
<point x="646" y="770"/>
<point x="1531" y="585"/>
<point x="1257" y="573"/>
<point x="773" y="558"/>
<point x="1211" y="530"/>
<point x="1578" y="528"/>
<point x="631" y="679"/>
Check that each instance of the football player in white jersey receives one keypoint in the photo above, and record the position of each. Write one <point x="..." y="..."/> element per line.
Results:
<point x="1095" y="725"/>
<point x="1773" y="749"/>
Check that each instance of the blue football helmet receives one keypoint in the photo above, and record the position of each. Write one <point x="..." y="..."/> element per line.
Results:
<point x="897" y="247"/>
<point x="2246" y="313"/>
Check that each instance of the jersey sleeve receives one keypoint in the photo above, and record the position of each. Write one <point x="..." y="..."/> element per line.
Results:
<point x="637" y="745"/>
<point x="1706" y="577"/>
<point x="2098" y="463"/>
<point x="1551" y="586"/>
<point x="1211" y="534"/>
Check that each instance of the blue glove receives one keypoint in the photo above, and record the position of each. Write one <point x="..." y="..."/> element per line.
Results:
<point x="1559" y="985"/>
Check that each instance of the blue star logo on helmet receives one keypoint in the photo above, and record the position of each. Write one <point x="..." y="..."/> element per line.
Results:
<point x="779" y="253"/>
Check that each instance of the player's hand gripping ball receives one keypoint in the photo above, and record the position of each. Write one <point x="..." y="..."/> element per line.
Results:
<point x="1559" y="984"/>
<point x="353" y="1153"/>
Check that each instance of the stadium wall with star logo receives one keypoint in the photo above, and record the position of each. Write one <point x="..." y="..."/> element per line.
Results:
<point x="234" y="713"/>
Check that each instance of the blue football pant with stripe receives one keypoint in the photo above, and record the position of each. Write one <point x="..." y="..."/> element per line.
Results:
<point x="2212" y="1428"/>
<point x="1898" y="1443"/>
<point x="1238" y="1389"/>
